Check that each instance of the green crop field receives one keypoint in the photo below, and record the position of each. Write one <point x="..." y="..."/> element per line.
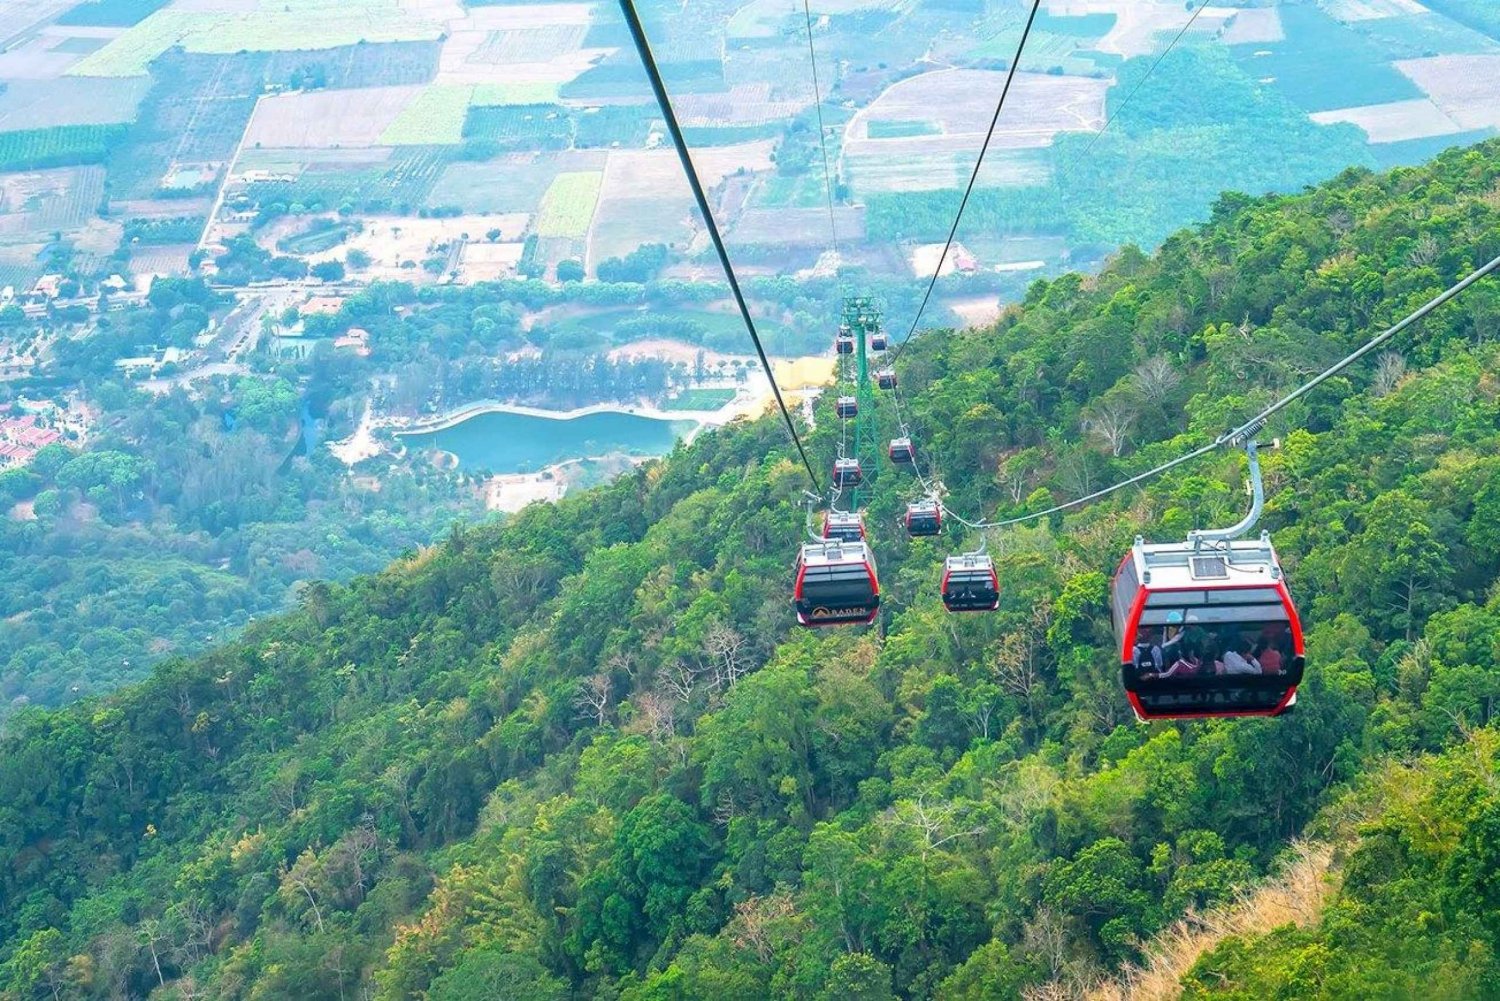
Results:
<point x="497" y="94"/>
<point x="520" y="126"/>
<point x="626" y="124"/>
<point x="1323" y="65"/>
<point x="434" y="118"/>
<point x="62" y="146"/>
<point x="568" y="206"/>
<point x="700" y="399"/>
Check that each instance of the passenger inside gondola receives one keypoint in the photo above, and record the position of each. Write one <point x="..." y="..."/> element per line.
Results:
<point x="1198" y="652"/>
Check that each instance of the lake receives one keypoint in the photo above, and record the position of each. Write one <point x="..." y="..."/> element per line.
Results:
<point x="521" y="443"/>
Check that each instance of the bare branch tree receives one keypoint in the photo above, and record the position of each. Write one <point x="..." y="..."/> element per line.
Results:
<point x="726" y="647"/>
<point x="1425" y="251"/>
<point x="1156" y="378"/>
<point x="682" y="679"/>
<point x="660" y="713"/>
<point x="1390" y="368"/>
<point x="593" y="697"/>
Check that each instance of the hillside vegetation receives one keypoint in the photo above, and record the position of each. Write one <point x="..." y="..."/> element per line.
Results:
<point x="583" y="754"/>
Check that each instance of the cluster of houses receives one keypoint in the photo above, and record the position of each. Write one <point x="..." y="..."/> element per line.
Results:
<point x="21" y="438"/>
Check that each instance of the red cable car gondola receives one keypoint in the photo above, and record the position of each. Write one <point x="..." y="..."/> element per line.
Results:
<point x="901" y="452"/>
<point x="970" y="583"/>
<point x="836" y="585"/>
<point x="847" y="407"/>
<point x="845" y="526"/>
<point x="1206" y="628"/>
<point x="843" y="344"/>
<point x="886" y="378"/>
<point x="879" y="342"/>
<point x="847" y="473"/>
<point x="924" y="518"/>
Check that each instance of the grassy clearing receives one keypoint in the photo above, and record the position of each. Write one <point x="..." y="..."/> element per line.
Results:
<point x="434" y="118"/>
<point x="501" y="94"/>
<point x="700" y="399"/>
<point x="901" y="129"/>
<point x="568" y="206"/>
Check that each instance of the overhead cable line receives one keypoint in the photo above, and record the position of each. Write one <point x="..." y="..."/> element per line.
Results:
<point x="1010" y="77"/>
<point x="638" y="33"/>
<point x="1087" y="150"/>
<point x="812" y="55"/>
<point x="1249" y="428"/>
<point x="1142" y="81"/>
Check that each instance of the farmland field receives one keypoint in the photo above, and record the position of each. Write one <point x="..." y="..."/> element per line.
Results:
<point x="896" y="129"/>
<point x="1323" y="65"/>
<point x="37" y="203"/>
<point x="960" y="103"/>
<point x="1417" y="35"/>
<point x="512" y="184"/>
<point x="519" y="127"/>
<point x="400" y="184"/>
<point x="536" y="44"/>
<point x="110" y="13"/>
<point x="65" y="145"/>
<point x="294" y="25"/>
<point x="328" y="118"/>
<point x="568" y="205"/>
<point x="495" y="94"/>
<point x="39" y="104"/>
<point x="1395" y="122"/>
<point x="796" y="226"/>
<point x="434" y="117"/>
<point x="1467" y="88"/>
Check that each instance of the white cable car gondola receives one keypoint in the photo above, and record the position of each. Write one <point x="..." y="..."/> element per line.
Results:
<point x="901" y="452"/>
<point x="1207" y="627"/>
<point x="924" y="518"/>
<point x="847" y="407"/>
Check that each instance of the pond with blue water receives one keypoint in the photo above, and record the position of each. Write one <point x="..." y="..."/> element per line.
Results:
<point x="502" y="442"/>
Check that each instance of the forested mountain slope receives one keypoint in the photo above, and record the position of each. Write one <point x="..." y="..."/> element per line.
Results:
<point x="584" y="754"/>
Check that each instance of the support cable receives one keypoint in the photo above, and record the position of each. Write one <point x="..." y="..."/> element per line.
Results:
<point x="812" y="55"/>
<point x="1241" y="434"/>
<point x="1010" y="77"/>
<point x="1068" y="171"/>
<point x="643" y="47"/>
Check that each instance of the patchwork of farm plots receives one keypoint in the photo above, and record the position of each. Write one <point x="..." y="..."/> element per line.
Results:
<point x="37" y="203"/>
<point x="285" y="26"/>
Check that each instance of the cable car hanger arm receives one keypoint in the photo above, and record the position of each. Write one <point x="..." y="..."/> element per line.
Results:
<point x="1241" y="434"/>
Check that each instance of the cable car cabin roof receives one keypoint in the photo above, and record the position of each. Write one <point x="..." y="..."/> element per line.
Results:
<point x="1179" y="566"/>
